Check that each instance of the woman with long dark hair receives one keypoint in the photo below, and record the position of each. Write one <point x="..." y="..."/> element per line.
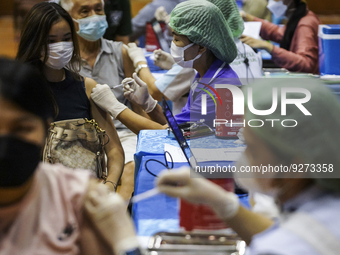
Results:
<point x="298" y="51"/>
<point x="49" y="42"/>
<point x="42" y="206"/>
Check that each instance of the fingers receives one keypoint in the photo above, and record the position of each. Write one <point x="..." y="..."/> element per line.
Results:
<point x="174" y="178"/>
<point x="244" y="38"/>
<point x="138" y="80"/>
<point x="247" y="40"/>
<point x="159" y="54"/>
<point x="160" y="13"/>
<point x="176" y="183"/>
<point x="128" y="84"/>
<point x="127" y="80"/>
<point x="128" y="91"/>
<point x="130" y="45"/>
<point x="157" y="51"/>
<point x="173" y="191"/>
<point x="127" y="94"/>
<point x="100" y="200"/>
<point x="100" y="91"/>
<point x="100" y="87"/>
<point x="96" y="198"/>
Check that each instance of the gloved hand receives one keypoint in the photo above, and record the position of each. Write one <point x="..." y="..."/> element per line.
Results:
<point x="240" y="136"/>
<point x="198" y="190"/>
<point x="106" y="100"/>
<point x="135" y="53"/>
<point x="108" y="213"/>
<point x="138" y="93"/>
<point x="163" y="59"/>
<point x="162" y="15"/>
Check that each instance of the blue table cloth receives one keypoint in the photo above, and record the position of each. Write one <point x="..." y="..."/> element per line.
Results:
<point x="161" y="213"/>
<point x="158" y="213"/>
<point x="151" y="142"/>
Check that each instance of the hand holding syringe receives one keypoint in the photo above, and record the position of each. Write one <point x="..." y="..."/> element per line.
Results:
<point x="122" y="84"/>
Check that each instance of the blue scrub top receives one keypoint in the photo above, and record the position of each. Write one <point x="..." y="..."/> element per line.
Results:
<point x="192" y="110"/>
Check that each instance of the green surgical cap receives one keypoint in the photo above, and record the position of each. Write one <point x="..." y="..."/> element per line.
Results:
<point x="203" y="23"/>
<point x="315" y="139"/>
<point x="232" y="15"/>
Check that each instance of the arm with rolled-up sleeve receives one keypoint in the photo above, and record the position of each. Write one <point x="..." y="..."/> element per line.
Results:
<point x="270" y="31"/>
<point x="305" y="56"/>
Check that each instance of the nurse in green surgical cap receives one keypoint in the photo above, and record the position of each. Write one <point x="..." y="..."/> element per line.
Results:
<point x="309" y="197"/>
<point x="308" y="194"/>
<point x="203" y="40"/>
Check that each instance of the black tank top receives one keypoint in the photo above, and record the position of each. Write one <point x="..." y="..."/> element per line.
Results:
<point x="71" y="98"/>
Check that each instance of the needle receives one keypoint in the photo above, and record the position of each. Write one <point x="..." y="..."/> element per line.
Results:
<point x="122" y="84"/>
<point x="144" y="195"/>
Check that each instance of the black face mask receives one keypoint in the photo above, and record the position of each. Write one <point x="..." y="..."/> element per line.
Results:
<point x="18" y="161"/>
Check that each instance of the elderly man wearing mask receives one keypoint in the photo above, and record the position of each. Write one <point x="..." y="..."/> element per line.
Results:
<point x="309" y="200"/>
<point x="203" y="41"/>
<point x="108" y="62"/>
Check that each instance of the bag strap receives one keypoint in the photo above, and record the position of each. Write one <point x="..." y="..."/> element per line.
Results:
<point x="313" y="232"/>
<point x="65" y="122"/>
<point x="70" y="130"/>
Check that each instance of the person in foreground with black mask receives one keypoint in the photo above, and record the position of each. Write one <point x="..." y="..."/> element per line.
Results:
<point x="42" y="205"/>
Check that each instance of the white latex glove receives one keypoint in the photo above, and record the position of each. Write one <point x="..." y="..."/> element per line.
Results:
<point x="198" y="190"/>
<point x="161" y="13"/>
<point x="108" y="213"/>
<point x="135" y="53"/>
<point x="240" y="136"/>
<point x="106" y="100"/>
<point x="163" y="59"/>
<point x="138" y="93"/>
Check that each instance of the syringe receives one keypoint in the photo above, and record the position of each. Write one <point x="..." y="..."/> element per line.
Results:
<point x="121" y="85"/>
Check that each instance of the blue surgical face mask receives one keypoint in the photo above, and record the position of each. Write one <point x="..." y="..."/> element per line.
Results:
<point x="277" y="8"/>
<point x="92" y="28"/>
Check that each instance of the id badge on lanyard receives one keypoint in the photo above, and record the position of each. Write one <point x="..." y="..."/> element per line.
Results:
<point x="195" y="84"/>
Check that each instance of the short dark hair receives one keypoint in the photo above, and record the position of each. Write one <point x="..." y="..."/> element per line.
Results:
<point x="34" y="35"/>
<point x="23" y="85"/>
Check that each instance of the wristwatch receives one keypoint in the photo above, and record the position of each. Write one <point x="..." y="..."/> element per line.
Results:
<point x="139" y="67"/>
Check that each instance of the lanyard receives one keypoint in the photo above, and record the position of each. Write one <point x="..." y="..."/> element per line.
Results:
<point x="194" y="86"/>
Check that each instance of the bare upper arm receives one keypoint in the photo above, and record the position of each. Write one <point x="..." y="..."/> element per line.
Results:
<point x="103" y="118"/>
<point x="127" y="63"/>
<point x="124" y="39"/>
<point x="89" y="85"/>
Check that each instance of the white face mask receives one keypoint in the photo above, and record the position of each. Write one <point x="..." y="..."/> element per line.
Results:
<point x="178" y="54"/>
<point x="277" y="8"/>
<point x="60" y="54"/>
<point x="251" y="183"/>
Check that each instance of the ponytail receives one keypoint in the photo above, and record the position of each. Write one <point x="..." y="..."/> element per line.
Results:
<point x="299" y="13"/>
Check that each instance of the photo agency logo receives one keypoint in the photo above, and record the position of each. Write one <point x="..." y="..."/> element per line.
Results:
<point x="231" y="104"/>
